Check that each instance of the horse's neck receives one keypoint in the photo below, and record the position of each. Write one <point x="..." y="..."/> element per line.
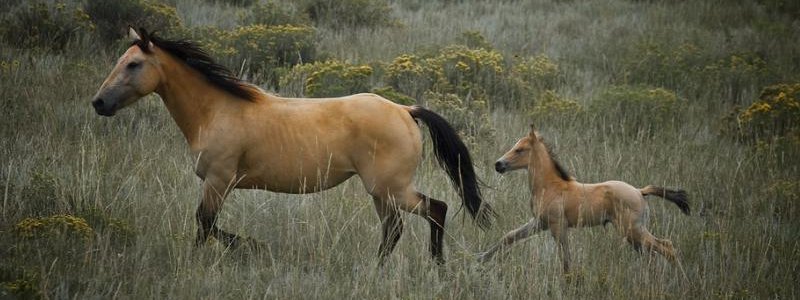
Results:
<point x="542" y="174"/>
<point x="190" y="99"/>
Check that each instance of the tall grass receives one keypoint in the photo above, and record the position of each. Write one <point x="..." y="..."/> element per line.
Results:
<point x="58" y="157"/>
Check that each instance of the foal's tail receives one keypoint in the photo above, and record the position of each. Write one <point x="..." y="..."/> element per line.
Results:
<point x="679" y="197"/>
<point x="454" y="158"/>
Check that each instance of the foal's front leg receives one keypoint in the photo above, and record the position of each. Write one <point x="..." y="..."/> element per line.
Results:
<point x="214" y="193"/>
<point x="533" y="226"/>
<point x="559" y="231"/>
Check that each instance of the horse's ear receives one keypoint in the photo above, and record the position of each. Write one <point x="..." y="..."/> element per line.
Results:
<point x="533" y="131"/>
<point x="141" y="38"/>
<point x="133" y="35"/>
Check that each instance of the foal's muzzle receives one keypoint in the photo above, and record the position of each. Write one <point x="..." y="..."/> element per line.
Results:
<point x="501" y="166"/>
<point x="103" y="108"/>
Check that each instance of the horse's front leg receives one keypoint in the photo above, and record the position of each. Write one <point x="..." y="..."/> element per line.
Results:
<point x="533" y="226"/>
<point x="214" y="193"/>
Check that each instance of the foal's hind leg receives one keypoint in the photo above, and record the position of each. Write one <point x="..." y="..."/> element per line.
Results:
<point x="641" y="238"/>
<point x="214" y="193"/>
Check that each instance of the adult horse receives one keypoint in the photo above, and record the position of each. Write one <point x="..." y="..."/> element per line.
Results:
<point x="245" y="138"/>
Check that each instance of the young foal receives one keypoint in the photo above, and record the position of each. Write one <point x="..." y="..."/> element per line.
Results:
<point x="245" y="138"/>
<point x="559" y="202"/>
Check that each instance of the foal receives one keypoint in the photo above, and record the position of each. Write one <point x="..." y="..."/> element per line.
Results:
<point x="559" y="202"/>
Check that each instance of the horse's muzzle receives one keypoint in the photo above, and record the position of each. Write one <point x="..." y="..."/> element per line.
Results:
<point x="102" y="108"/>
<point x="501" y="166"/>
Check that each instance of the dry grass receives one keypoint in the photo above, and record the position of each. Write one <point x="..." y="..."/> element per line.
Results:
<point x="57" y="156"/>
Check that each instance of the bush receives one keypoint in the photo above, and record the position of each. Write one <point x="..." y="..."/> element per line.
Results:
<point x="550" y="106"/>
<point x="45" y="25"/>
<point x="54" y="226"/>
<point x="113" y="17"/>
<point x="473" y="40"/>
<point x="733" y="74"/>
<point x="775" y="115"/>
<point x="266" y="49"/>
<point x="349" y="13"/>
<point x="393" y="95"/>
<point x="412" y="75"/>
<point x="271" y="13"/>
<point x="644" y="109"/>
<point x="534" y="75"/>
<point x="687" y="68"/>
<point x="455" y="69"/>
<point x="327" y="79"/>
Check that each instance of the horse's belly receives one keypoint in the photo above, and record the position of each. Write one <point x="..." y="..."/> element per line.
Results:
<point x="293" y="182"/>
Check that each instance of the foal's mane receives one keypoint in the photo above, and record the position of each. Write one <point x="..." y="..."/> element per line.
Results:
<point x="199" y="60"/>
<point x="560" y="170"/>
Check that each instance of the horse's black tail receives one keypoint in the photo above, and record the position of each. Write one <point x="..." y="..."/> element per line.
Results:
<point x="454" y="158"/>
<point x="679" y="197"/>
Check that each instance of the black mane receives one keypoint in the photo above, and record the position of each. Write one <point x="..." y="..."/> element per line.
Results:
<point x="560" y="170"/>
<point x="197" y="58"/>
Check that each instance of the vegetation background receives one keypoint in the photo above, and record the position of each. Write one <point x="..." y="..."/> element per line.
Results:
<point x="701" y="95"/>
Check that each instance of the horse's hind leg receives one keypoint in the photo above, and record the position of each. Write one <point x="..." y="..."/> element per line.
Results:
<point x="391" y="225"/>
<point x="436" y="215"/>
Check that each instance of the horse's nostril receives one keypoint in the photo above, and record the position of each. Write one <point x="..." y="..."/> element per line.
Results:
<point x="98" y="103"/>
<point x="499" y="166"/>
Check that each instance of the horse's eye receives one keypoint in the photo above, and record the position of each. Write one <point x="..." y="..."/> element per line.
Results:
<point x="132" y="65"/>
<point x="519" y="150"/>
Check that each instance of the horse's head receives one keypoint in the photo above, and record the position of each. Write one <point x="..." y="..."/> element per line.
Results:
<point x="522" y="154"/>
<point x="136" y="74"/>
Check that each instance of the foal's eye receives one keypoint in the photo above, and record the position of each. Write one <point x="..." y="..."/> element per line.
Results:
<point x="132" y="65"/>
<point x="519" y="150"/>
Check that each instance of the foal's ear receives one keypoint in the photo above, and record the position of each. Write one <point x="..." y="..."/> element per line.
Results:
<point x="133" y="35"/>
<point x="532" y="133"/>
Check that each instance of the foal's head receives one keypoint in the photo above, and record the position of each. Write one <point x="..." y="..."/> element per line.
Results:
<point x="136" y="74"/>
<point x="524" y="152"/>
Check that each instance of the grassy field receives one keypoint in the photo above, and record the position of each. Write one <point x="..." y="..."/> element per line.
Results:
<point x="98" y="207"/>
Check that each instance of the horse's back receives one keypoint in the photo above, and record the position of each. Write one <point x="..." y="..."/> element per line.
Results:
<point x="325" y="141"/>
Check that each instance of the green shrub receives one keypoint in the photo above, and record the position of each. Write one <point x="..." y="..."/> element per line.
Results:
<point x="466" y="69"/>
<point x="113" y="17"/>
<point x="25" y="286"/>
<point x="265" y="49"/>
<point x="550" y="106"/>
<point x="534" y="75"/>
<point x="643" y="109"/>
<point x="44" y="25"/>
<point x="775" y="115"/>
<point x="272" y="13"/>
<point x="349" y="13"/>
<point x="473" y="40"/>
<point x="54" y="226"/>
<point x="412" y="75"/>
<point x="733" y="74"/>
<point x="393" y="95"/>
<point x="327" y="79"/>
<point x="455" y="69"/>
<point x="692" y="71"/>
<point x="660" y="64"/>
